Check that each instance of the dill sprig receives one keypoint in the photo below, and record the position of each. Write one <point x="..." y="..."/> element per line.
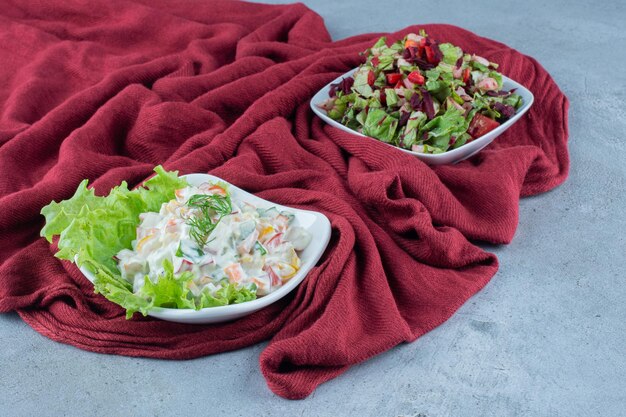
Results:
<point x="209" y="205"/>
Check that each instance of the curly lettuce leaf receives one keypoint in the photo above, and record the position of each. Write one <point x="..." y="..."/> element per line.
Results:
<point x="93" y="229"/>
<point x="116" y="289"/>
<point x="227" y="294"/>
<point x="60" y="215"/>
<point x="169" y="291"/>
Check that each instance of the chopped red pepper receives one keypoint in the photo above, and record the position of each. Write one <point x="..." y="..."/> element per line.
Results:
<point x="274" y="278"/>
<point x="430" y="55"/>
<point x="416" y="78"/>
<point x="375" y="61"/>
<point x="466" y="75"/>
<point x="393" y="78"/>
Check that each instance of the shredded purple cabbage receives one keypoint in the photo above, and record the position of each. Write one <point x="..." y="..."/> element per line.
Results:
<point x="506" y="111"/>
<point x="404" y="118"/>
<point x="438" y="54"/>
<point x="344" y="86"/>
<point x="411" y="55"/>
<point x="497" y="93"/>
<point x="429" y="107"/>
<point x="416" y="102"/>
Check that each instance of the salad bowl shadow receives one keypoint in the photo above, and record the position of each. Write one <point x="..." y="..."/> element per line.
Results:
<point x="452" y="156"/>
<point x="314" y="222"/>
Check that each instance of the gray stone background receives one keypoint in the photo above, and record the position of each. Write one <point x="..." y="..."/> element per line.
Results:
<point x="547" y="336"/>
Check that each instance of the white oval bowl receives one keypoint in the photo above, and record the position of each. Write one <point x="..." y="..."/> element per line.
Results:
<point x="449" y="157"/>
<point x="316" y="223"/>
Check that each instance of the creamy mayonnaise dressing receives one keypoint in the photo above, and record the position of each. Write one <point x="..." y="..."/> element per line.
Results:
<point x="249" y="247"/>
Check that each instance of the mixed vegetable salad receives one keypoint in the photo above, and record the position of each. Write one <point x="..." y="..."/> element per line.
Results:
<point x="422" y="95"/>
<point x="170" y="244"/>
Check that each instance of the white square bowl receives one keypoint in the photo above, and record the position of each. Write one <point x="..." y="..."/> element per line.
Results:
<point x="315" y="223"/>
<point x="449" y="157"/>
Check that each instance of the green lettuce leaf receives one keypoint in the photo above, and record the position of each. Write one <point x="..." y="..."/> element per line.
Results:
<point x="442" y="128"/>
<point x="385" y="62"/>
<point x="438" y="89"/>
<point x="227" y="294"/>
<point x="361" y="85"/>
<point x="93" y="229"/>
<point x="60" y="215"/>
<point x="514" y="100"/>
<point x="380" y="125"/>
<point x="340" y="105"/>
<point x="413" y="125"/>
<point x="496" y="76"/>
<point x="169" y="291"/>
<point x="450" y="53"/>
<point x="391" y="97"/>
<point x="96" y="228"/>
<point x="380" y="44"/>
<point x="118" y="290"/>
<point x="479" y="67"/>
<point x="160" y="188"/>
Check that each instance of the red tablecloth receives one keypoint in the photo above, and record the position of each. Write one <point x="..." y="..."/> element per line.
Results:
<point x="106" y="90"/>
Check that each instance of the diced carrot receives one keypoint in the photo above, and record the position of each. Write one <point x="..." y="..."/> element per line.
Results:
<point x="233" y="271"/>
<point x="216" y="189"/>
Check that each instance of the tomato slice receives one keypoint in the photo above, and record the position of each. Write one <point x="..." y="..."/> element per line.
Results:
<point x="371" y="77"/>
<point x="392" y="79"/>
<point x="481" y="125"/>
<point x="416" y="78"/>
<point x="375" y="61"/>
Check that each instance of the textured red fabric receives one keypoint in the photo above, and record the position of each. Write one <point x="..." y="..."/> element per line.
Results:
<point x="106" y="90"/>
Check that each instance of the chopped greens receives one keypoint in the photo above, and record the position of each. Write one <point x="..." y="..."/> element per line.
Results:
<point x="422" y="95"/>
